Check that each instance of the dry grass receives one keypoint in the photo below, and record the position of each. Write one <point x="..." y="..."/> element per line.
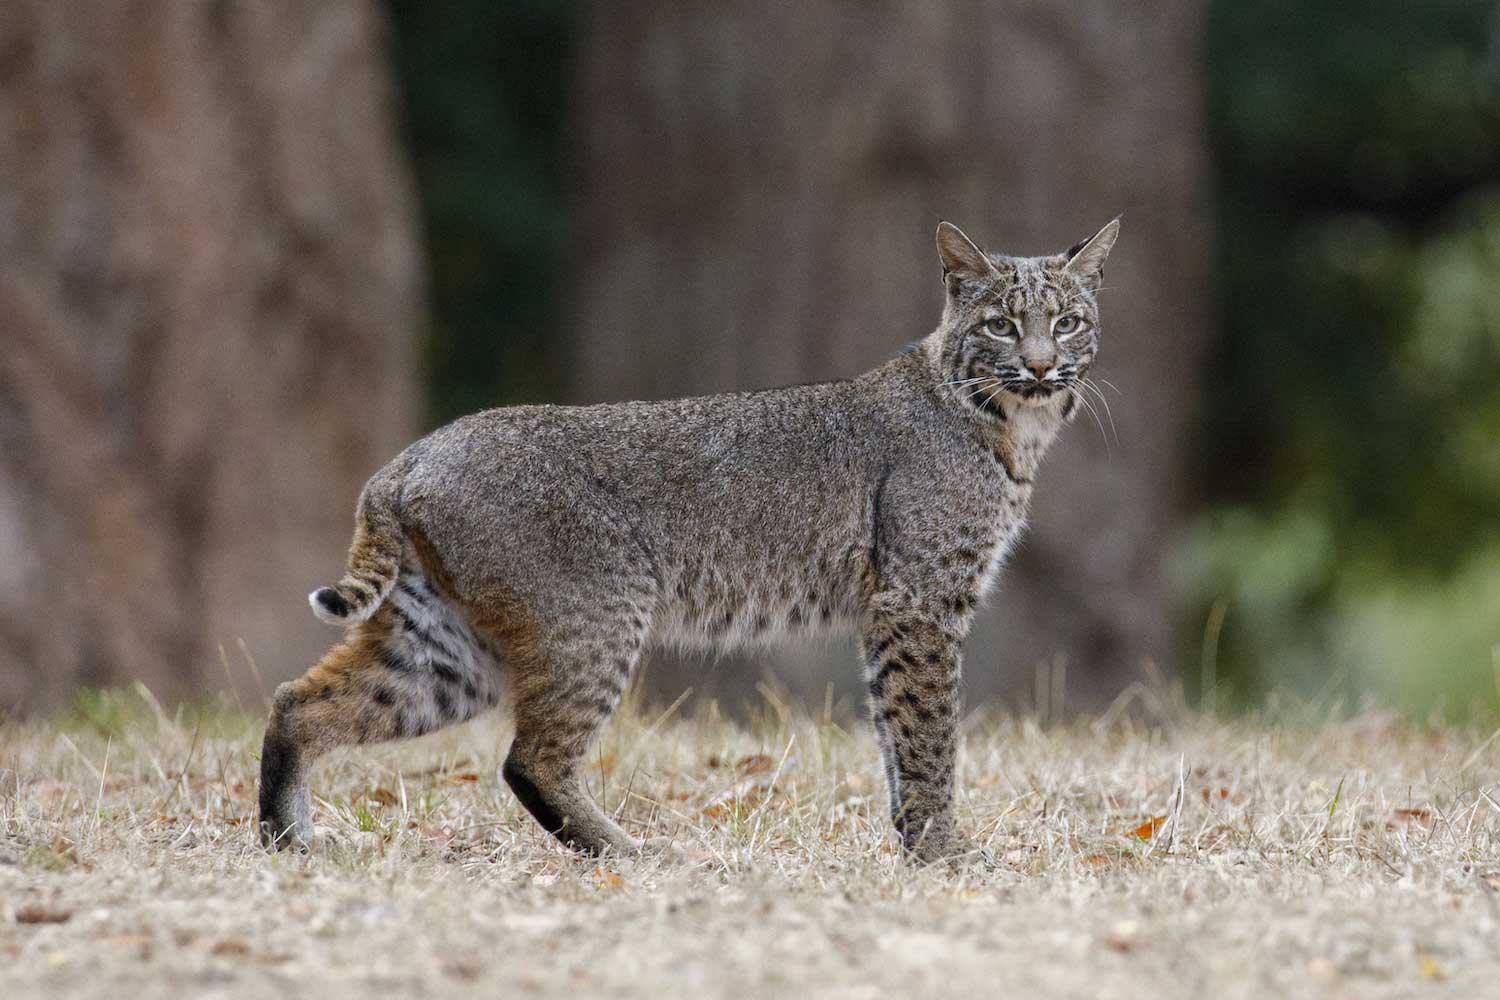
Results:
<point x="1175" y="857"/>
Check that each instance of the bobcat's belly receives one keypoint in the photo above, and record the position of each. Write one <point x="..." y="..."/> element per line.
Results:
<point x="727" y="626"/>
<point x="708" y="608"/>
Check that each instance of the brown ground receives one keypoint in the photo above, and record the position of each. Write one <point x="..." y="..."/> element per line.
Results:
<point x="1176" y="858"/>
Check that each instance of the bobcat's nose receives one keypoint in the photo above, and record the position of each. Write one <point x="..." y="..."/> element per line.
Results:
<point x="1039" y="368"/>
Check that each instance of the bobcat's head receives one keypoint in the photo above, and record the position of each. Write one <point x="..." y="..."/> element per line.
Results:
<point x="1026" y="328"/>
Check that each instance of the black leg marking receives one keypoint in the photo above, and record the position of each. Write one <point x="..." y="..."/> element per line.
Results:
<point x="1010" y="472"/>
<point x="446" y="672"/>
<point x="444" y="701"/>
<point x="531" y="797"/>
<point x="278" y="771"/>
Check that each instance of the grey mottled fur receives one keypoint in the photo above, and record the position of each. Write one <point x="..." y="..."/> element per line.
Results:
<point x="554" y="544"/>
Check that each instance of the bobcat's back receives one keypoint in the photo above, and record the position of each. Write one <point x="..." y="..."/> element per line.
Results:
<point x="741" y="515"/>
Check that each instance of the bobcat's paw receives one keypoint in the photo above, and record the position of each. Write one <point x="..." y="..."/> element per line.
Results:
<point x="285" y="821"/>
<point x="288" y="837"/>
<point x="958" y="852"/>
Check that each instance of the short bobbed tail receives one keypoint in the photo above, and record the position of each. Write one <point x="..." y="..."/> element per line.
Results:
<point x="374" y="560"/>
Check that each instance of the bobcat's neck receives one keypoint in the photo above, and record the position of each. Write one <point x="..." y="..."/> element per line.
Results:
<point x="1018" y="431"/>
<point x="1021" y="439"/>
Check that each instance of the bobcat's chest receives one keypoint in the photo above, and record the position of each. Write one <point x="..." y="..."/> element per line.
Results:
<point x="1006" y="525"/>
<point x="1015" y="456"/>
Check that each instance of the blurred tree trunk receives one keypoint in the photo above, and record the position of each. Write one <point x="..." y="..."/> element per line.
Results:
<point x="208" y="298"/>
<point x="759" y="190"/>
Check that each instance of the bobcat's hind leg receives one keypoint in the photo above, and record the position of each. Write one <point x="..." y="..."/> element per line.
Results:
<point x="563" y="699"/>
<point x="410" y="669"/>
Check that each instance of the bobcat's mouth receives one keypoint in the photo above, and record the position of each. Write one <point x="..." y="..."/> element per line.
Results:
<point x="989" y="399"/>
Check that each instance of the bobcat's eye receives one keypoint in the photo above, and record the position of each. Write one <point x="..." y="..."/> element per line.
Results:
<point x="1067" y="325"/>
<point x="1001" y="329"/>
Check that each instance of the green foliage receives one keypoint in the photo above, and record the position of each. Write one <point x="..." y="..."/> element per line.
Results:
<point x="485" y="89"/>
<point x="1354" y="408"/>
<point x="110" y="712"/>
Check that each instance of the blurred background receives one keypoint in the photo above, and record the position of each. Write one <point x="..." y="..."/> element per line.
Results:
<point x="249" y="250"/>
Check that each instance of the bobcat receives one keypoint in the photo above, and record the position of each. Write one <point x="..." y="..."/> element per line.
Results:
<point x="550" y="545"/>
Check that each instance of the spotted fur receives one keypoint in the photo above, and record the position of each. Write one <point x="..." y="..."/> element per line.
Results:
<point x="551" y="546"/>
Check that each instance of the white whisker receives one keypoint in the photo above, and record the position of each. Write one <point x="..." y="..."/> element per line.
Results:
<point x="1089" y="384"/>
<point x="1095" y="414"/>
<point x="990" y="387"/>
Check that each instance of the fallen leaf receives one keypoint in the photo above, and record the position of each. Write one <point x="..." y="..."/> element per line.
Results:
<point x="608" y="879"/>
<point x="1123" y="936"/>
<point x="462" y="777"/>
<point x="1149" y="828"/>
<point x="35" y="913"/>
<point x="442" y="770"/>
<point x="1429" y="968"/>
<point x="755" y="764"/>
<point x="756" y="775"/>
<point x="728" y="805"/>
<point x="64" y="849"/>
<point x="230" y="946"/>
<point x="384" y="796"/>
<point x="1095" y="860"/>
<point x="1403" y="818"/>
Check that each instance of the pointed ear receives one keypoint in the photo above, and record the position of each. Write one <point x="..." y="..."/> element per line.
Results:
<point x="1087" y="258"/>
<point x="959" y="254"/>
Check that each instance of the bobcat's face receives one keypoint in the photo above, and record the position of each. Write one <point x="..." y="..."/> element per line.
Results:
<point x="1023" y="327"/>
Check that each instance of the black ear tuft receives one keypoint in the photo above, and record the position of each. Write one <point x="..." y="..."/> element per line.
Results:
<point x="1087" y="258"/>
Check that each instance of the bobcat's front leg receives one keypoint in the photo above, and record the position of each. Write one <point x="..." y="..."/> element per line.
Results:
<point x="912" y="659"/>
